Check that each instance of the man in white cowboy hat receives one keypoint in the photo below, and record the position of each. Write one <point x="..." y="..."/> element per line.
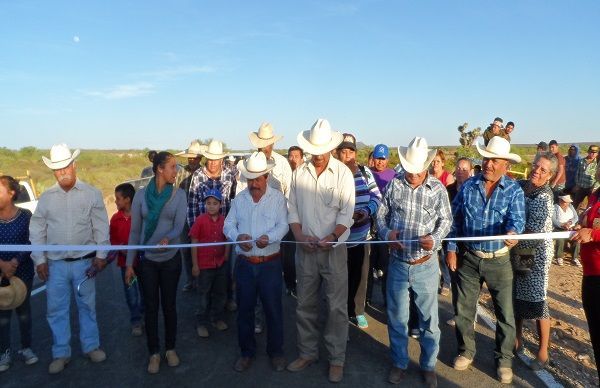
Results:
<point x="259" y="214"/>
<point x="184" y="178"/>
<point x="415" y="210"/>
<point x="69" y="213"/>
<point x="281" y="175"/>
<point x="320" y="208"/>
<point x="488" y="204"/>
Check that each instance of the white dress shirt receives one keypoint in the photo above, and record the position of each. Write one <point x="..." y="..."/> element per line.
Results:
<point x="268" y="217"/>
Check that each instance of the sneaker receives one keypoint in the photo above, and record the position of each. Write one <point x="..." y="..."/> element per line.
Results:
<point x="58" y="365"/>
<point x="136" y="330"/>
<point x="5" y="361"/>
<point x="379" y="273"/>
<point x="154" y="364"/>
<point x="172" y="358"/>
<point x="445" y="291"/>
<point x="451" y="322"/>
<point x="96" y="355"/>
<point x="415" y="333"/>
<point x="28" y="356"/>
<point x="258" y="328"/>
<point x="461" y="362"/>
<point x="505" y="375"/>
<point x="220" y="325"/>
<point x="202" y="331"/>
<point x="559" y="261"/>
<point x="361" y="321"/>
<point x="576" y="262"/>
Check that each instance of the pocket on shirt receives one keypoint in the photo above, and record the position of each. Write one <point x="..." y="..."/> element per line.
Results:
<point x="330" y="196"/>
<point x="499" y="213"/>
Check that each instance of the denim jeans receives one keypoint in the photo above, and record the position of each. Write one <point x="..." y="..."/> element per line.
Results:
<point x="264" y="280"/>
<point x="212" y="294"/>
<point x="24" y="317"/>
<point x="62" y="281"/>
<point x="159" y="284"/>
<point x="134" y="299"/>
<point x="422" y="280"/>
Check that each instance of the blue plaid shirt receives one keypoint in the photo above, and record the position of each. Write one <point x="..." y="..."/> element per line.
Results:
<point x="201" y="183"/>
<point x="476" y="215"/>
<point x="414" y="213"/>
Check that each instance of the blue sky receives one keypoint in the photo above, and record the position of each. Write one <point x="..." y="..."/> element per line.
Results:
<point x="135" y="74"/>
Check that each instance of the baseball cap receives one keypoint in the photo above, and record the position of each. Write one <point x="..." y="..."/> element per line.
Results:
<point x="593" y="148"/>
<point x="216" y="194"/>
<point x="381" y="151"/>
<point x="553" y="142"/>
<point x="543" y="145"/>
<point x="349" y="141"/>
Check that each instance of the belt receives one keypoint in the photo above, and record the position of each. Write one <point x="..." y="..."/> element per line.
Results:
<point x="490" y="255"/>
<point x="88" y="256"/>
<point x="419" y="261"/>
<point x="261" y="259"/>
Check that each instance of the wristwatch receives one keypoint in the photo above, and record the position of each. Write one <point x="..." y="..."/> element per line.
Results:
<point x="335" y="236"/>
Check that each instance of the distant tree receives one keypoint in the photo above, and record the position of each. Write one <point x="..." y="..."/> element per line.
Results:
<point x="466" y="140"/>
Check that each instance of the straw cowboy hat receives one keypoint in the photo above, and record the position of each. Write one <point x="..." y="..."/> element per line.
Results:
<point x="256" y="165"/>
<point x="214" y="151"/>
<point x="13" y="295"/>
<point x="498" y="148"/>
<point x="194" y="150"/>
<point x="264" y="136"/>
<point x="320" y="139"/>
<point x="60" y="157"/>
<point x="417" y="157"/>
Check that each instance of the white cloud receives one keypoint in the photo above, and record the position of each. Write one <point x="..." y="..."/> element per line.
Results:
<point x="76" y="39"/>
<point x="124" y="91"/>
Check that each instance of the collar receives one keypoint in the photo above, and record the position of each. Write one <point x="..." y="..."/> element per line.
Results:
<point x="501" y="182"/>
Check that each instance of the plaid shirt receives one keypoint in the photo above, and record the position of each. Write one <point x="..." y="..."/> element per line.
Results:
<point x="476" y="215"/>
<point x="415" y="213"/>
<point x="586" y="173"/>
<point x="201" y="183"/>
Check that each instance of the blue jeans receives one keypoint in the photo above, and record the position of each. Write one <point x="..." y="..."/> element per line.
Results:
<point x="422" y="279"/>
<point x="62" y="281"/>
<point x="134" y="299"/>
<point x="265" y="281"/>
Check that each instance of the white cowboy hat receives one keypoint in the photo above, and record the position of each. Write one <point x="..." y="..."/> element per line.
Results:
<point x="320" y="139"/>
<point x="256" y="165"/>
<point x="13" y="295"/>
<point x="214" y="151"/>
<point x="194" y="150"/>
<point x="264" y="136"/>
<point x="60" y="157"/>
<point x="566" y="198"/>
<point x="417" y="157"/>
<point x="498" y="148"/>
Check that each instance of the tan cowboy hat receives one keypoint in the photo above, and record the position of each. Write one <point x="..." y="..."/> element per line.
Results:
<point x="320" y="139"/>
<point x="214" y="151"/>
<point x="13" y="295"/>
<point x="498" y="148"/>
<point x="417" y="157"/>
<point x="60" y="157"/>
<point x="256" y="165"/>
<point x="194" y="150"/>
<point x="264" y="136"/>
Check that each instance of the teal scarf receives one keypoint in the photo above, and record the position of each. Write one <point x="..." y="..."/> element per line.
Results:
<point x="155" y="201"/>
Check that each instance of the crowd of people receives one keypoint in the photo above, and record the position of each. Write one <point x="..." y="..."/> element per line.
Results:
<point x="324" y="227"/>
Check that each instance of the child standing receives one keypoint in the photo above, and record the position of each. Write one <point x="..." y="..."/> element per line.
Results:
<point x="208" y="264"/>
<point x="120" y="225"/>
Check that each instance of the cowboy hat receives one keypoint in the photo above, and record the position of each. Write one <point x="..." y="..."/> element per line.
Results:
<point x="417" y="157"/>
<point x="194" y="150"/>
<point x="214" y="151"/>
<point x="498" y="148"/>
<point x="320" y="139"/>
<point x="256" y="165"/>
<point x="264" y="136"/>
<point x="13" y="295"/>
<point x="566" y="198"/>
<point x="60" y="157"/>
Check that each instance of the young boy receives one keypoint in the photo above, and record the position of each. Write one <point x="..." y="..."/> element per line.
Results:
<point x="120" y="224"/>
<point x="208" y="264"/>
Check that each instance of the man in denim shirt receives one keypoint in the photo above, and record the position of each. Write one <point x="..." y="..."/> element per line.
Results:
<point x="486" y="205"/>
<point x="415" y="210"/>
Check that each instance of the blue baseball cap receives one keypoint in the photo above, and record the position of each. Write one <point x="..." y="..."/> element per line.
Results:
<point x="381" y="151"/>
<point x="216" y="194"/>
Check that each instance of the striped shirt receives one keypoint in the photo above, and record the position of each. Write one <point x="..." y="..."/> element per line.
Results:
<point x="414" y="212"/>
<point x="367" y="198"/>
<point x="476" y="215"/>
<point x="201" y="183"/>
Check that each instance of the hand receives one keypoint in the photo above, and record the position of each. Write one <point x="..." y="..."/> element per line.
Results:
<point x="566" y="225"/>
<point x="99" y="264"/>
<point x="8" y="268"/>
<point x="393" y="235"/>
<point x="195" y="270"/>
<point x="576" y="227"/>
<point x="42" y="271"/>
<point x="326" y="242"/>
<point x="360" y="217"/>
<point x="246" y="246"/>
<point x="164" y="241"/>
<point x="129" y="275"/>
<point x="426" y="242"/>
<point x="262" y="241"/>
<point x="510" y="243"/>
<point x="451" y="261"/>
<point x="583" y="235"/>
<point x="312" y="243"/>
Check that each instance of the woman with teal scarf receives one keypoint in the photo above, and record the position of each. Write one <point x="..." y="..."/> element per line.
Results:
<point x="158" y="214"/>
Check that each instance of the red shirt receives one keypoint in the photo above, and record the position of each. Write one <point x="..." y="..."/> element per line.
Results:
<point x="120" y="225"/>
<point x="590" y="252"/>
<point x="207" y="230"/>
